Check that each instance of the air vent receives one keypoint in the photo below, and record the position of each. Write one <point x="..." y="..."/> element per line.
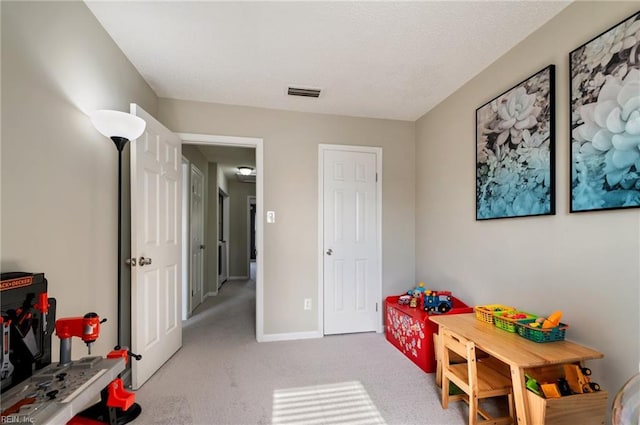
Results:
<point x="304" y="92"/>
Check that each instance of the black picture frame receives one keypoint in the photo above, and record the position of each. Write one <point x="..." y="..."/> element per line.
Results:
<point x="605" y="119"/>
<point x="515" y="150"/>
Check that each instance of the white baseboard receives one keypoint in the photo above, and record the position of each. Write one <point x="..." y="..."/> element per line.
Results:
<point x="290" y="336"/>
<point x="210" y="294"/>
<point x="238" y="278"/>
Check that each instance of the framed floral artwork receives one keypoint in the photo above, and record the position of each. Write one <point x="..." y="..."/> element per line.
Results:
<point x="515" y="142"/>
<point x="605" y="120"/>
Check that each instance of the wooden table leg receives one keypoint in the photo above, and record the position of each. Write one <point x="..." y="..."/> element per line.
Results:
<point x="437" y="348"/>
<point x="519" y="395"/>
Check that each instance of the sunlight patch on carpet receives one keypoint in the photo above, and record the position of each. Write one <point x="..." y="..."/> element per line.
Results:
<point x="345" y="403"/>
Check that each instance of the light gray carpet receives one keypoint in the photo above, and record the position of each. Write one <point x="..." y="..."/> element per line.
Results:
<point x="346" y="402"/>
<point x="222" y="376"/>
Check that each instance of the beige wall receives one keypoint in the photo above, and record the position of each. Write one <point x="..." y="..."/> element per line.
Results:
<point x="584" y="264"/>
<point x="239" y="227"/>
<point x="193" y="154"/>
<point x="59" y="175"/>
<point x="291" y="190"/>
<point x="223" y="184"/>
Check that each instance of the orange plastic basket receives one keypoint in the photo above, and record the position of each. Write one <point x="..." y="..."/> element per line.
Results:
<point x="485" y="313"/>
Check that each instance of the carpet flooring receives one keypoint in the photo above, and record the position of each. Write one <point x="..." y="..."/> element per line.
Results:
<point x="222" y="376"/>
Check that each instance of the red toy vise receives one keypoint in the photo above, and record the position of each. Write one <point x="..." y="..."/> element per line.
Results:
<point x="117" y="405"/>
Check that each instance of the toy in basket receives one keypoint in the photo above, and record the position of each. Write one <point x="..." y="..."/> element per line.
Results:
<point x="508" y="320"/>
<point x="485" y="313"/>
<point x="544" y="329"/>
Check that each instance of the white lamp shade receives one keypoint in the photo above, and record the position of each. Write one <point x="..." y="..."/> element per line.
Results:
<point x="118" y="124"/>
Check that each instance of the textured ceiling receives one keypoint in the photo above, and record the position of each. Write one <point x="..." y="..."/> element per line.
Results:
<point x="391" y="60"/>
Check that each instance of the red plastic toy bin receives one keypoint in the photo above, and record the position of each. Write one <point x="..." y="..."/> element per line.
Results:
<point x="411" y="331"/>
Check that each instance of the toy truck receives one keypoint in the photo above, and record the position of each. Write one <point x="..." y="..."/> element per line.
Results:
<point x="578" y="379"/>
<point x="437" y="301"/>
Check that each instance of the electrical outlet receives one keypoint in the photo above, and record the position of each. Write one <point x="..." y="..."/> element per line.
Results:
<point x="307" y="303"/>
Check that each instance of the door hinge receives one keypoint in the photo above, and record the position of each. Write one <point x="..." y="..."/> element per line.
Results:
<point x="376" y="307"/>
<point x="376" y="177"/>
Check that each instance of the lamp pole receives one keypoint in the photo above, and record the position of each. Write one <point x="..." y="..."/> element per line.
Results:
<point x="120" y="143"/>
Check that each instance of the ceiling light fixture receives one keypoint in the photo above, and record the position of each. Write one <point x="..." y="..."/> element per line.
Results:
<point x="244" y="170"/>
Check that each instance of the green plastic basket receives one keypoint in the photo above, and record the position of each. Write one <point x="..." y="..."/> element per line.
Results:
<point x="509" y="324"/>
<point x="542" y="335"/>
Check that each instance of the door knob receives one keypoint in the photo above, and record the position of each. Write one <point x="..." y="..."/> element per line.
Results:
<point x="202" y="246"/>
<point x="144" y="261"/>
<point x="329" y="251"/>
<point x="130" y="262"/>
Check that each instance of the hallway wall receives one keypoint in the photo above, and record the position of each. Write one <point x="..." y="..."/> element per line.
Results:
<point x="239" y="228"/>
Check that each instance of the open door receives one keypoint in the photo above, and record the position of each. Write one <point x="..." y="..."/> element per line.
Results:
<point x="156" y="237"/>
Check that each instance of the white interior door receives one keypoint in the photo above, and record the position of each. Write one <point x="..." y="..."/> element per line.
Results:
<point x="223" y="235"/>
<point x="197" y="237"/>
<point x="351" y="242"/>
<point x="156" y="328"/>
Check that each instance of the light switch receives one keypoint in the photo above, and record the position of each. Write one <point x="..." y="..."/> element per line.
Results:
<point x="271" y="216"/>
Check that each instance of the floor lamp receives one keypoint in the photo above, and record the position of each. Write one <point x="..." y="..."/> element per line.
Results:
<point x="119" y="127"/>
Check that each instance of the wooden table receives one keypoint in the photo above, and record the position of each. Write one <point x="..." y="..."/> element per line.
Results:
<point x="517" y="352"/>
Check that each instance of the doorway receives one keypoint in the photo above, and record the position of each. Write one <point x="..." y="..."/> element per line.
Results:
<point x="223" y="237"/>
<point x="257" y="144"/>
<point x="196" y="238"/>
<point x="251" y="236"/>
<point x="193" y="237"/>
<point x="252" y="228"/>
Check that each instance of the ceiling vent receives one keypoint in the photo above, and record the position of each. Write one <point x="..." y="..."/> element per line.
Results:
<point x="304" y="92"/>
